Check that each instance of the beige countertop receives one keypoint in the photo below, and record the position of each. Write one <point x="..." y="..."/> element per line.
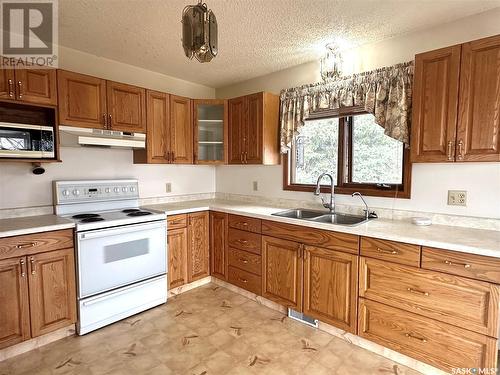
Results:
<point x="32" y="224"/>
<point x="467" y="240"/>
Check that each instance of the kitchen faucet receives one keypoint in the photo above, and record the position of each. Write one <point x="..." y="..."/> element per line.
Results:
<point x="368" y="214"/>
<point x="331" y="205"/>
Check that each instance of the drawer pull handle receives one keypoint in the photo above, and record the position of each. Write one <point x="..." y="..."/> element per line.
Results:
<point x="32" y="261"/>
<point x="244" y="281"/>
<point x="412" y="336"/>
<point x="23" y="268"/>
<point x="244" y="223"/>
<point x="243" y="260"/>
<point x="383" y="251"/>
<point x="243" y="242"/>
<point x="25" y="245"/>
<point x="416" y="291"/>
<point x="450" y="263"/>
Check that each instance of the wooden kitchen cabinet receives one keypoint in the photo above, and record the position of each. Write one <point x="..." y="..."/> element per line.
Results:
<point x="456" y="110"/>
<point x="330" y="287"/>
<point x="218" y="245"/>
<point x="210" y="131"/>
<point x="434" y="124"/>
<point x="478" y="137"/>
<point x="82" y="100"/>
<point x="177" y="240"/>
<point x="198" y="265"/>
<point x="34" y="86"/>
<point x="282" y="272"/>
<point x="14" y="302"/>
<point x="52" y="291"/>
<point x="181" y="130"/>
<point x="253" y="129"/>
<point x="126" y="107"/>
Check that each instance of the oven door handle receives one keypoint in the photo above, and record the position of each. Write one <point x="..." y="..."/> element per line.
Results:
<point x="120" y="230"/>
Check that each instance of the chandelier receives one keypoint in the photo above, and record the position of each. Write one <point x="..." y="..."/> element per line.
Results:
<point x="331" y="63"/>
<point x="199" y="32"/>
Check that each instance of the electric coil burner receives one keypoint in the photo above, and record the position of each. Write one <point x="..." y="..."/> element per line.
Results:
<point x="120" y="250"/>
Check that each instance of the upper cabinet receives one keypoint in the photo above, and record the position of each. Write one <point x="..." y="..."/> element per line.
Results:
<point x="91" y="102"/>
<point x="181" y="130"/>
<point x="456" y="110"/>
<point x="34" y="86"/>
<point x="210" y="133"/>
<point x="253" y="129"/>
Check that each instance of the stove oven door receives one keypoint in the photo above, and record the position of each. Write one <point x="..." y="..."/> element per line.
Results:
<point x="115" y="257"/>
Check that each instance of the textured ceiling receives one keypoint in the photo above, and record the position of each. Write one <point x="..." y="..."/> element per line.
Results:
<point x="256" y="37"/>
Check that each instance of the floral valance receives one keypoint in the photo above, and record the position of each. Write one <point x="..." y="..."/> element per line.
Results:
<point x="386" y="93"/>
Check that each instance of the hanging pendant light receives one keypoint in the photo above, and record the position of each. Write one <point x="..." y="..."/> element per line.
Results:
<point x="199" y="32"/>
<point x="331" y="63"/>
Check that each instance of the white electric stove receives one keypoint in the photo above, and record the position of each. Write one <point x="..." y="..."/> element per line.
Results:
<point x="120" y="250"/>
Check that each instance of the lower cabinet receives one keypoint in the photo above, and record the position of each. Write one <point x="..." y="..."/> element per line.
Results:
<point x="282" y="272"/>
<point x="218" y="241"/>
<point x="331" y="287"/>
<point x="188" y="248"/>
<point x="37" y="289"/>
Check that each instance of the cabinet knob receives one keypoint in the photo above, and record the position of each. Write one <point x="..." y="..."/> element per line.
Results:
<point x="23" y="267"/>
<point x="11" y="88"/>
<point x="450" y="150"/>
<point x="20" y="87"/>
<point x="32" y="262"/>
<point x="460" y="150"/>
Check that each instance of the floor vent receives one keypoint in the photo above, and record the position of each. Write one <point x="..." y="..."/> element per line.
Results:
<point x="300" y="317"/>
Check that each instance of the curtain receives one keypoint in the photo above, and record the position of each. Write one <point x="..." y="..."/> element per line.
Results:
<point x="386" y="93"/>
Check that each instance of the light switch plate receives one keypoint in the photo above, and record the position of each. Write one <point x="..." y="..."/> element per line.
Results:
<point x="457" y="198"/>
<point x="168" y="187"/>
<point x="255" y="185"/>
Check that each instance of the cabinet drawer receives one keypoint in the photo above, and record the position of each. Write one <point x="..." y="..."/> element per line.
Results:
<point x="249" y="224"/>
<point x="176" y="221"/>
<point x="245" y="280"/>
<point x="35" y="243"/>
<point x="311" y="236"/>
<point x="469" y="265"/>
<point x="451" y="299"/>
<point x="244" y="240"/>
<point x="439" y="344"/>
<point x="391" y="251"/>
<point x="245" y="261"/>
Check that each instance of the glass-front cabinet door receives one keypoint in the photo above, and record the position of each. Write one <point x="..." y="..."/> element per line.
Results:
<point x="210" y="136"/>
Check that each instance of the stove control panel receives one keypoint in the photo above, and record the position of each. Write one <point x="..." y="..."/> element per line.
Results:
<point x="94" y="191"/>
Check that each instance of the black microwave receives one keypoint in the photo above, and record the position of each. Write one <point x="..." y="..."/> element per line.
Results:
<point x="26" y="141"/>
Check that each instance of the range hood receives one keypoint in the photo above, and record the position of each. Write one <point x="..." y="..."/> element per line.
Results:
<point x="72" y="137"/>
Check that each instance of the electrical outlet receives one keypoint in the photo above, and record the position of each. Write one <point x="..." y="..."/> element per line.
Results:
<point x="457" y="198"/>
<point x="168" y="187"/>
<point x="255" y="186"/>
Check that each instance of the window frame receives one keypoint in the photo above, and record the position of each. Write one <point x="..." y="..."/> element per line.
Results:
<point x="344" y="172"/>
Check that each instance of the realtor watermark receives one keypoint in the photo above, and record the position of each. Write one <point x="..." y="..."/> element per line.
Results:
<point x="29" y="33"/>
<point x="474" y="371"/>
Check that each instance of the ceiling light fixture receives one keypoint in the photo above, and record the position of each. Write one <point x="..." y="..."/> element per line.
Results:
<point x="331" y="63"/>
<point x="199" y="32"/>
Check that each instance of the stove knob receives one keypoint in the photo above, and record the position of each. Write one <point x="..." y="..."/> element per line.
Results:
<point x="117" y="190"/>
<point x="124" y="189"/>
<point x="65" y="193"/>
<point x="132" y="189"/>
<point x="107" y="190"/>
<point x="76" y="192"/>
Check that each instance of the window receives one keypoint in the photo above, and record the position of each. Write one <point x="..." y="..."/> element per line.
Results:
<point x="354" y="150"/>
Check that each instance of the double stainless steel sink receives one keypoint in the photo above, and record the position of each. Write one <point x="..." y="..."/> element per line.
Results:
<point x="323" y="217"/>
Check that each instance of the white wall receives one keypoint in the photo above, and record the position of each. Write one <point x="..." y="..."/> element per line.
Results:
<point x="430" y="182"/>
<point x="20" y="188"/>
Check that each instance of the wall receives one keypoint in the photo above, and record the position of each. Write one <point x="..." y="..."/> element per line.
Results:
<point x="430" y="182"/>
<point x="20" y="188"/>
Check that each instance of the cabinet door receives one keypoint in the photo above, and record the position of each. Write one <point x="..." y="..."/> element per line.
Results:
<point x="236" y="130"/>
<point x="36" y="86"/>
<point x="14" y="302"/>
<point x="218" y="241"/>
<point x="177" y="240"/>
<point x="7" y="84"/>
<point x="198" y="248"/>
<point x="254" y="128"/>
<point x="435" y="98"/>
<point x="158" y="126"/>
<point x="330" y="287"/>
<point x="181" y="127"/>
<point x="282" y="272"/>
<point x="52" y="291"/>
<point x="82" y="100"/>
<point x="126" y="107"/>
<point x="479" y="110"/>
